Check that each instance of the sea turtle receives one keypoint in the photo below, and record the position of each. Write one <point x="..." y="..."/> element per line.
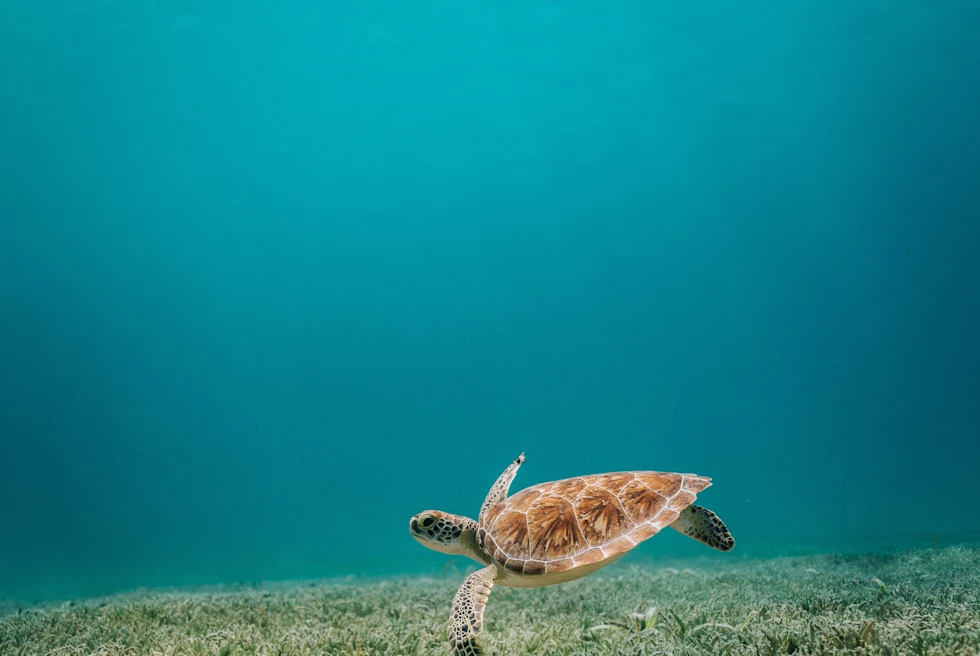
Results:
<point x="560" y="531"/>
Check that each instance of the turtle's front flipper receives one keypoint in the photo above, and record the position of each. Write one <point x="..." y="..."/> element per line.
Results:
<point x="704" y="526"/>
<point x="466" y="622"/>
<point x="499" y="490"/>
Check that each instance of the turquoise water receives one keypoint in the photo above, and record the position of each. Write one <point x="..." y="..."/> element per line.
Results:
<point x="274" y="277"/>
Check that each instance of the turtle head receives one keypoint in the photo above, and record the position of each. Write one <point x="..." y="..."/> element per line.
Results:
<point x="444" y="532"/>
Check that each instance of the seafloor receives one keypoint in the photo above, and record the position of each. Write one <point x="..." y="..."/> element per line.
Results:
<point x="909" y="602"/>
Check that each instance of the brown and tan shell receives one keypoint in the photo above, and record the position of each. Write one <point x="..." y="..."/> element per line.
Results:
<point x="558" y="526"/>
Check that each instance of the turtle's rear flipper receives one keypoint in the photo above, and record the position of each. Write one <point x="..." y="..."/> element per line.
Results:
<point x="704" y="526"/>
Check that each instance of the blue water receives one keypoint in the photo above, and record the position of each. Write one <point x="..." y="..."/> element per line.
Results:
<point x="276" y="276"/>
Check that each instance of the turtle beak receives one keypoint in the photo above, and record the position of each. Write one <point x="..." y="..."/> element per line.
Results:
<point x="414" y="525"/>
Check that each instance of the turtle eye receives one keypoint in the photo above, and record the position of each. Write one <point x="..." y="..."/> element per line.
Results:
<point x="427" y="522"/>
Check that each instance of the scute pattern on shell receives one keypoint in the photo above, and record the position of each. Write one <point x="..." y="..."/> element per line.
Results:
<point x="557" y="526"/>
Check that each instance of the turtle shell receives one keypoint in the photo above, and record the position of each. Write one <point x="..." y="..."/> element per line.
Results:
<point x="558" y="526"/>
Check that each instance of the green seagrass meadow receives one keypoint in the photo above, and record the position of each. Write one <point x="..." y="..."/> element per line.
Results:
<point x="907" y="602"/>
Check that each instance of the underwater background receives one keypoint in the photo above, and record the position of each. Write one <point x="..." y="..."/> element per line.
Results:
<point x="274" y="277"/>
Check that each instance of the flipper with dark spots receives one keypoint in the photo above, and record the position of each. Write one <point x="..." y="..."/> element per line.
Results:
<point x="466" y="622"/>
<point x="704" y="526"/>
